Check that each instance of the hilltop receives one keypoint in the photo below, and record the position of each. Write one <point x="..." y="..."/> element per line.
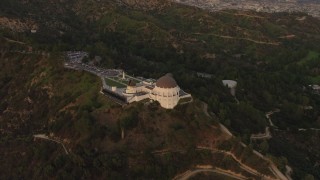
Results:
<point x="135" y="141"/>
<point x="273" y="57"/>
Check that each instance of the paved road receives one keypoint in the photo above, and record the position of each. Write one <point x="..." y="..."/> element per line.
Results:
<point x="74" y="61"/>
<point x="92" y="69"/>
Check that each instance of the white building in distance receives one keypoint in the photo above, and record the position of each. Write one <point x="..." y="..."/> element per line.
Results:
<point x="315" y="88"/>
<point x="165" y="90"/>
<point x="231" y="84"/>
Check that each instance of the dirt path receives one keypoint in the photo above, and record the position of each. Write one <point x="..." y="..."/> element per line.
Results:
<point x="222" y="127"/>
<point x="166" y="151"/>
<point x="266" y="135"/>
<point x="242" y="165"/>
<point x="272" y="167"/>
<point x="13" y="41"/>
<point x="43" y="136"/>
<point x="288" y="172"/>
<point x="268" y="114"/>
<point x="246" y="39"/>
<point x="188" y="174"/>
<point x="242" y="14"/>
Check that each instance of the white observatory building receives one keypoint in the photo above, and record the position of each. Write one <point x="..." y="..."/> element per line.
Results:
<point x="166" y="92"/>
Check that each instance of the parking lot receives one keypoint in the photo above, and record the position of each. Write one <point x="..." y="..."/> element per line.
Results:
<point x="74" y="61"/>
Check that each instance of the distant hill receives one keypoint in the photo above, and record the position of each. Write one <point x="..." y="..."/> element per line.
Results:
<point x="310" y="7"/>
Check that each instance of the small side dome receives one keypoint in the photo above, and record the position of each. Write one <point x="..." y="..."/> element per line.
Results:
<point x="166" y="81"/>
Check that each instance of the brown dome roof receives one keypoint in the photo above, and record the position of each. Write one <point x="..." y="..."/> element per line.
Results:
<point x="166" y="81"/>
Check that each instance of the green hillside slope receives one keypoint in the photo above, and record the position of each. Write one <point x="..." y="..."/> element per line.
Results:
<point x="273" y="57"/>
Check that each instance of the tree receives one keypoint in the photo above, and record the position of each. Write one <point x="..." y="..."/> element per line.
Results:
<point x="308" y="177"/>
<point x="48" y="170"/>
<point x="264" y="146"/>
<point x="85" y="59"/>
<point x="129" y="120"/>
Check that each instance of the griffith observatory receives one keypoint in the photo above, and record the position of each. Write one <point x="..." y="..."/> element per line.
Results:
<point x="165" y="90"/>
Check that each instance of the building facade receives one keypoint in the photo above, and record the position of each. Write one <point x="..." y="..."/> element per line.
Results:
<point x="165" y="90"/>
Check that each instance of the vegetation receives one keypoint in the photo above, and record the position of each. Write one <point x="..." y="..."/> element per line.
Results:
<point x="38" y="95"/>
<point x="111" y="82"/>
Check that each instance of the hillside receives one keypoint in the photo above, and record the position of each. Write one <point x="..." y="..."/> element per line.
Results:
<point x="67" y="106"/>
<point x="273" y="57"/>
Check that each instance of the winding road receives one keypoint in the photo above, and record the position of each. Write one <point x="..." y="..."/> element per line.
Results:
<point x="188" y="174"/>
<point x="272" y="167"/>
<point x="266" y="135"/>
